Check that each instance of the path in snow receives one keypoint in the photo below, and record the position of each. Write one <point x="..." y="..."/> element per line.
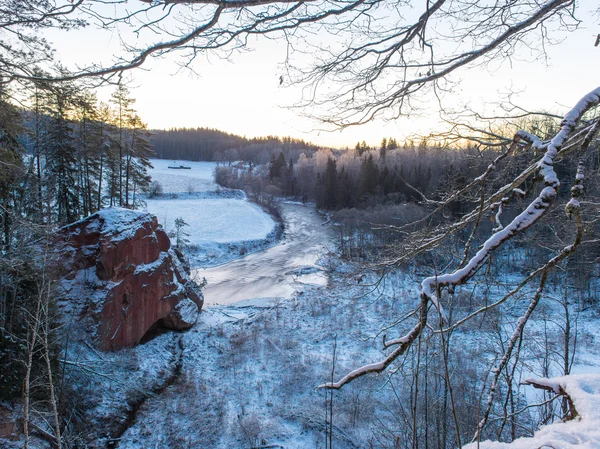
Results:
<point x="275" y="272"/>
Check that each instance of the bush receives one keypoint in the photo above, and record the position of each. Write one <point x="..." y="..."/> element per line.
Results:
<point x="154" y="189"/>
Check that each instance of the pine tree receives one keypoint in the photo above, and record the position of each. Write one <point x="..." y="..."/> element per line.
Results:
<point x="63" y="190"/>
<point x="290" y="184"/>
<point x="346" y="190"/>
<point x="104" y="136"/>
<point x="122" y="100"/>
<point x="88" y="145"/>
<point x="383" y="148"/>
<point x="384" y="180"/>
<point x="137" y="160"/>
<point x="276" y="166"/>
<point x="11" y="169"/>
<point x="330" y="179"/>
<point x="179" y="234"/>
<point x="37" y="131"/>
<point x="368" y="176"/>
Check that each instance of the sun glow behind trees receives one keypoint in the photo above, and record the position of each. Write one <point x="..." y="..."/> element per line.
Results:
<point x="243" y="95"/>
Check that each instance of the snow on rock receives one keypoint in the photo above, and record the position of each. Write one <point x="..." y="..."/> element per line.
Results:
<point x="186" y="311"/>
<point x="122" y="277"/>
<point x="582" y="432"/>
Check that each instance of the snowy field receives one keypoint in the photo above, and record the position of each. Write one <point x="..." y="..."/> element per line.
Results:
<point x="200" y="178"/>
<point x="213" y="220"/>
<point x="222" y="224"/>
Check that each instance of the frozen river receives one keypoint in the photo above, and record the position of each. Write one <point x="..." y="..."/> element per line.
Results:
<point x="217" y="222"/>
<point x="277" y="272"/>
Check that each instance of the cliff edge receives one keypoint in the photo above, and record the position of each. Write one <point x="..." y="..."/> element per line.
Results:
<point x="121" y="278"/>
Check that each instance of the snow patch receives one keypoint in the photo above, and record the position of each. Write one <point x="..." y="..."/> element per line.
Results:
<point x="582" y="432"/>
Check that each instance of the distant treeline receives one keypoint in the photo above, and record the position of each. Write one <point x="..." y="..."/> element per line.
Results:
<point x="368" y="189"/>
<point x="206" y="144"/>
<point x="338" y="179"/>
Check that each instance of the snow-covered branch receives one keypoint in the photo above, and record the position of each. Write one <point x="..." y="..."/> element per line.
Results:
<point x="583" y="396"/>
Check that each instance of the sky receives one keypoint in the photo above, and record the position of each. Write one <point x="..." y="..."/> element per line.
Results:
<point x="242" y="94"/>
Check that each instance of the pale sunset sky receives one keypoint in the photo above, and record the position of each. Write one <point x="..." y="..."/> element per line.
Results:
<point x="242" y="95"/>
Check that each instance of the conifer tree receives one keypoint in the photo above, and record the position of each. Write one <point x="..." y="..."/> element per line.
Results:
<point x="368" y="176"/>
<point x="122" y="100"/>
<point x="11" y="168"/>
<point x="88" y="149"/>
<point x="276" y="166"/>
<point x="137" y="160"/>
<point x="37" y="131"/>
<point x="383" y="148"/>
<point x="330" y="179"/>
<point x="63" y="195"/>
<point x="105" y="142"/>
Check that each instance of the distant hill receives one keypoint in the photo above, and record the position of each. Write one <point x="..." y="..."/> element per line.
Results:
<point x="207" y="144"/>
<point x="199" y="144"/>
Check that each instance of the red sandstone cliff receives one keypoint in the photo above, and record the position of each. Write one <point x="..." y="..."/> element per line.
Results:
<point x="122" y="278"/>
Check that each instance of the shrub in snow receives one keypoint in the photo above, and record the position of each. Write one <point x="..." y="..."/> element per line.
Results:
<point x="154" y="189"/>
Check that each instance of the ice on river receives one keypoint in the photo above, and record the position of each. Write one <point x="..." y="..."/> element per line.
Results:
<point x="279" y="271"/>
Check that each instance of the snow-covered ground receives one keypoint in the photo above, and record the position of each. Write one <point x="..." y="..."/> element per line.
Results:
<point x="250" y="370"/>
<point x="220" y="220"/>
<point x="583" y="432"/>
<point x="222" y="224"/>
<point x="199" y="178"/>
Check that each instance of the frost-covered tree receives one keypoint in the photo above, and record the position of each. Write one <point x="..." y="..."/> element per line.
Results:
<point x="180" y="234"/>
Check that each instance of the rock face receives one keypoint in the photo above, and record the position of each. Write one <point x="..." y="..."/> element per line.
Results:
<point x="122" y="278"/>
